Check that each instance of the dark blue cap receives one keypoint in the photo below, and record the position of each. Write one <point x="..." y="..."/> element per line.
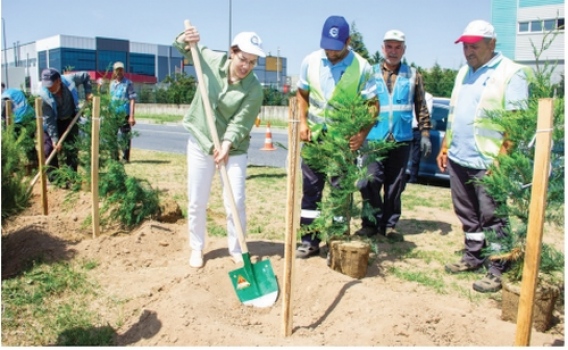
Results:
<point x="334" y="33"/>
<point x="48" y="76"/>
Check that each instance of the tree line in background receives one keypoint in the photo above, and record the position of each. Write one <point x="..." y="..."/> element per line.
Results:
<point x="180" y="88"/>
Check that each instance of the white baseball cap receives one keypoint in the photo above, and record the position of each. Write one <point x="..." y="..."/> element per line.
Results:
<point x="395" y="35"/>
<point x="249" y="42"/>
<point x="118" y="65"/>
<point x="477" y="30"/>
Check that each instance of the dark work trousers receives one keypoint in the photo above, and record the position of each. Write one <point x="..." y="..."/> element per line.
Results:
<point x="69" y="151"/>
<point x="313" y="185"/>
<point x="125" y="139"/>
<point x="387" y="176"/>
<point x="415" y="155"/>
<point x="476" y="211"/>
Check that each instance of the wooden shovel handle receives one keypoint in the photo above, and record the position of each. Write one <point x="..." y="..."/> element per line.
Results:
<point x="215" y="137"/>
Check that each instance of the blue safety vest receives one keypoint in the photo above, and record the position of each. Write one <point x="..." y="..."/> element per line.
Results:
<point x="23" y="112"/>
<point x="395" y="116"/>
<point x="118" y="91"/>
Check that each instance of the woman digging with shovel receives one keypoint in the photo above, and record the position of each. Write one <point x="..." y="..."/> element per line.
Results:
<point x="236" y="96"/>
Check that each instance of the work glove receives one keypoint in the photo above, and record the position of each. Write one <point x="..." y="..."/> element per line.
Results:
<point x="425" y="145"/>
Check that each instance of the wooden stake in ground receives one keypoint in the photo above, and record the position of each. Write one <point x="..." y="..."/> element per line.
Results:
<point x="8" y="112"/>
<point x="96" y="124"/>
<point x="41" y="156"/>
<point x="292" y="215"/>
<point x="536" y="221"/>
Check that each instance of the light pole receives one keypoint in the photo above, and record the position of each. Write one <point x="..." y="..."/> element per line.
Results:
<point x="230" y="22"/>
<point x="278" y="68"/>
<point x="5" y="52"/>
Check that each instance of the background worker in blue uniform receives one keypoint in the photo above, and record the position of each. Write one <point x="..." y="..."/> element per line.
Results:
<point x="321" y="72"/>
<point x="123" y="99"/>
<point x="401" y="95"/>
<point x="60" y="104"/>
<point x="23" y="117"/>
<point x="489" y="82"/>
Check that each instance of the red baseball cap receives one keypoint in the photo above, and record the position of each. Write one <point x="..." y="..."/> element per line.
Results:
<point x="477" y="30"/>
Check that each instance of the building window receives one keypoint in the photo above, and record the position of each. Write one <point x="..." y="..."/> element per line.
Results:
<point x="536" y="26"/>
<point x="539" y="26"/>
<point x="549" y="24"/>
<point x="106" y="60"/>
<point x="144" y="64"/>
<point x="78" y="59"/>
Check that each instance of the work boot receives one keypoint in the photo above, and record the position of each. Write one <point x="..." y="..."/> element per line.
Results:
<point x="460" y="266"/>
<point x="488" y="284"/>
<point x="392" y="235"/>
<point x="367" y="231"/>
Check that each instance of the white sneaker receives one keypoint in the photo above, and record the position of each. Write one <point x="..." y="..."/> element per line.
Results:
<point x="196" y="259"/>
<point x="237" y="258"/>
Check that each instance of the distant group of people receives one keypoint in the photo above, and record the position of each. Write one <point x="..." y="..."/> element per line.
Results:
<point x="402" y="109"/>
<point x="60" y="105"/>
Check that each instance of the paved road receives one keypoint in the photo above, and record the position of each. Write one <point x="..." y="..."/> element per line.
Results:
<point x="173" y="138"/>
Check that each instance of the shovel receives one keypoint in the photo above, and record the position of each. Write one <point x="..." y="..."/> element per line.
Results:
<point x="255" y="284"/>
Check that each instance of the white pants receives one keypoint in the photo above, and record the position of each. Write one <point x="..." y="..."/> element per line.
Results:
<point x="200" y="172"/>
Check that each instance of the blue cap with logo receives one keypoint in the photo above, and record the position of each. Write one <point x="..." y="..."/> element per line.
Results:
<point x="334" y="33"/>
<point x="48" y="76"/>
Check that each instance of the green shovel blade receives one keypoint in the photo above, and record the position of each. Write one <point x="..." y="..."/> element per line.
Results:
<point x="255" y="284"/>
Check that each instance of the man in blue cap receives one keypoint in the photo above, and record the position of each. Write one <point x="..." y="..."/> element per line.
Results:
<point x="60" y="103"/>
<point x="323" y="72"/>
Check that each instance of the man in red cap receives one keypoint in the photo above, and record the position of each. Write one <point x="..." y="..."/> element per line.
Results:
<point x="489" y="82"/>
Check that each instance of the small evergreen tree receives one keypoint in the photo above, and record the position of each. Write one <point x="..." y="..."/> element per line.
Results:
<point x="15" y="196"/>
<point x="329" y="153"/>
<point x="511" y="176"/>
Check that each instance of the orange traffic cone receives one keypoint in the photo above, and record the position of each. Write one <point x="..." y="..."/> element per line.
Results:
<point x="268" y="146"/>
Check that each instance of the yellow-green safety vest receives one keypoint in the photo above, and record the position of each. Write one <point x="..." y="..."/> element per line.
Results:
<point x="488" y="136"/>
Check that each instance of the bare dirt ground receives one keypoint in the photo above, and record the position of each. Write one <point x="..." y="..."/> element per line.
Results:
<point x="167" y="303"/>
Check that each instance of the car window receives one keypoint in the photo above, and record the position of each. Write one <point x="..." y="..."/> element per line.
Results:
<point x="439" y="118"/>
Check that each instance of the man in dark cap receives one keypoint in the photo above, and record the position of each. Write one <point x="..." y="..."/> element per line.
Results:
<point x="335" y="67"/>
<point x="60" y="104"/>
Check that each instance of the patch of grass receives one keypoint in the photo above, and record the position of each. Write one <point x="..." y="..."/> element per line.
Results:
<point x="426" y="256"/>
<point x="468" y="293"/>
<point x="432" y="280"/>
<point x="416" y="195"/>
<point x="214" y="229"/>
<point x="48" y="301"/>
<point x="160" y="118"/>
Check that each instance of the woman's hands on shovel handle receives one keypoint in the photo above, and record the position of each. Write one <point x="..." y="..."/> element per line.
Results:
<point x="191" y="36"/>
<point x="221" y="156"/>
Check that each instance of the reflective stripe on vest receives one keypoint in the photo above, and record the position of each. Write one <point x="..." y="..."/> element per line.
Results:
<point x="349" y="82"/>
<point x="488" y="135"/>
<point x="396" y="114"/>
